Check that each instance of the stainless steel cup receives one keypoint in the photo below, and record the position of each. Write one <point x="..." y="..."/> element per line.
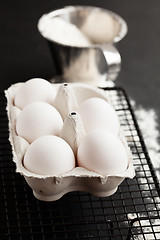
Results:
<point x="93" y="62"/>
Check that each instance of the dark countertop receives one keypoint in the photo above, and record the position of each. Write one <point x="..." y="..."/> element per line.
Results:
<point x="25" y="54"/>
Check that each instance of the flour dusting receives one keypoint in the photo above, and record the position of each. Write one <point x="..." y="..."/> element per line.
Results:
<point x="148" y="123"/>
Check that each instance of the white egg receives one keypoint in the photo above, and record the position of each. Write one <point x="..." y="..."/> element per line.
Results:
<point x="38" y="119"/>
<point x="100" y="27"/>
<point x="49" y="155"/>
<point x="102" y="152"/>
<point x="98" y="113"/>
<point x="36" y="89"/>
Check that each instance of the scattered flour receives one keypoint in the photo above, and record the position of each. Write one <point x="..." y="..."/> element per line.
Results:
<point x="145" y="226"/>
<point x="148" y="123"/>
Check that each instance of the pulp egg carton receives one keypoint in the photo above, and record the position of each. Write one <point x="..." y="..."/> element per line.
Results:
<point x="49" y="187"/>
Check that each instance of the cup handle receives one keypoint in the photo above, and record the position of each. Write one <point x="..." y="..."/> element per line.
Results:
<point x="113" y="60"/>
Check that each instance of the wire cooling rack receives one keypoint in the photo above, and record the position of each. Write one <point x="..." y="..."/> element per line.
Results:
<point x="131" y="213"/>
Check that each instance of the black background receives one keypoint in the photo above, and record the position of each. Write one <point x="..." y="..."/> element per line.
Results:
<point x="24" y="54"/>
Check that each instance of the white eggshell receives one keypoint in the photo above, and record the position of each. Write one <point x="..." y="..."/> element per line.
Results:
<point x="49" y="155"/>
<point x="36" y="89"/>
<point x="102" y="152"/>
<point x="38" y="119"/>
<point x="99" y="27"/>
<point x="98" y="113"/>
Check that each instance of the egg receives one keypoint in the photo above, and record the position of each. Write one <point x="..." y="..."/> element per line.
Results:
<point x="36" y="89"/>
<point x="100" y="27"/>
<point x="38" y="119"/>
<point x="49" y="155"/>
<point x="102" y="152"/>
<point x="98" y="113"/>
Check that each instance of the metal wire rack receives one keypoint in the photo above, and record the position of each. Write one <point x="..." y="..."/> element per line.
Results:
<point x="131" y="213"/>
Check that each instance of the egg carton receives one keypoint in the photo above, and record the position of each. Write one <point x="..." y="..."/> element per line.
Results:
<point x="53" y="187"/>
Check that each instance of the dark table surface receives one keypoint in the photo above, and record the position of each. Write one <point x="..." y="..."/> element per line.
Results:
<point x="24" y="54"/>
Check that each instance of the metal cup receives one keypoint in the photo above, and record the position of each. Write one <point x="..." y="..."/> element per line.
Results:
<point x="93" y="62"/>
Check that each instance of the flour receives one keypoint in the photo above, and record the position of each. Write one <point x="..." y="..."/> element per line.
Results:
<point x="145" y="225"/>
<point x="61" y="31"/>
<point x="148" y="123"/>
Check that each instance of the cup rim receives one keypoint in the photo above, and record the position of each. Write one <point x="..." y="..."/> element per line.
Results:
<point x="54" y="13"/>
